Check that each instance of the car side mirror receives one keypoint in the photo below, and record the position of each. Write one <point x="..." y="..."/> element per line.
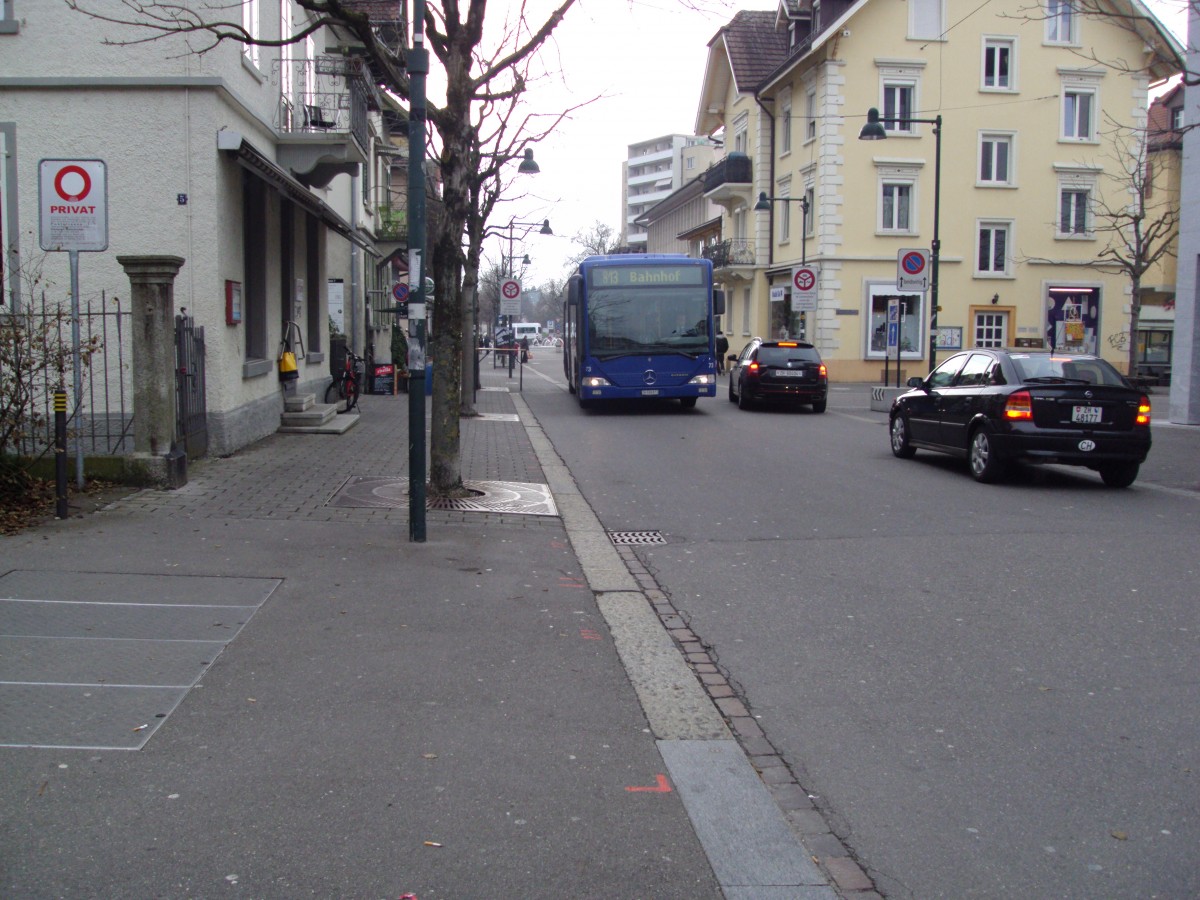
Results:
<point x="916" y="381"/>
<point x="732" y="357"/>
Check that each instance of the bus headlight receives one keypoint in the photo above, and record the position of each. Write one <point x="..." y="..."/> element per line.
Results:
<point x="595" y="381"/>
<point x="704" y="379"/>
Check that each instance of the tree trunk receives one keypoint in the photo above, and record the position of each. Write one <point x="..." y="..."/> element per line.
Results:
<point x="1135" y="314"/>
<point x="470" y="356"/>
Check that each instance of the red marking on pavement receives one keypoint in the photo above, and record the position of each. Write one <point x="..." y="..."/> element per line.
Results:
<point x="661" y="787"/>
<point x="564" y="581"/>
<point x="589" y="634"/>
<point x="558" y="545"/>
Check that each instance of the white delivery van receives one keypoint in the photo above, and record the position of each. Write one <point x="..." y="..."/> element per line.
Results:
<point x="526" y="330"/>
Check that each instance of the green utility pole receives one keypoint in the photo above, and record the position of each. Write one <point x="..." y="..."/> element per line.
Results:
<point x="418" y="68"/>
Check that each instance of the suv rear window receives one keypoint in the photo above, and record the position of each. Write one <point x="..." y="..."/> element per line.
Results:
<point x="781" y="356"/>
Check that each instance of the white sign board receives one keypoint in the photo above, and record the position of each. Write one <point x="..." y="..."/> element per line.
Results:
<point x="804" y="288"/>
<point x="510" y="297"/>
<point x="912" y="270"/>
<point x="778" y="293"/>
<point x="337" y="303"/>
<point x="73" y="204"/>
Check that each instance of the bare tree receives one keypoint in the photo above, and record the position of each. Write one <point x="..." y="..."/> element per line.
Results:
<point x="597" y="240"/>
<point x="1139" y="224"/>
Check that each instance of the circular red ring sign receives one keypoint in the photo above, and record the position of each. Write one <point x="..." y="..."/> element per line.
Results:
<point x="72" y="170"/>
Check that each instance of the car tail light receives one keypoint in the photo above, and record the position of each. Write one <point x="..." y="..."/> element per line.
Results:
<point x="1143" y="413"/>
<point x="753" y="367"/>
<point x="1019" y="407"/>
<point x="822" y="371"/>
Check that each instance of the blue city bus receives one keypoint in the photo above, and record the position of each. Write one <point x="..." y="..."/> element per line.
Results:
<point x="640" y="326"/>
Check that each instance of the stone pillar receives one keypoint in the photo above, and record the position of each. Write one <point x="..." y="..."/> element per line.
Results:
<point x="152" y="283"/>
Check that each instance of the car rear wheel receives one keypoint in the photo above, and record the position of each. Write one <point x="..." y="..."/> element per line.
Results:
<point x="819" y="405"/>
<point x="1119" y="475"/>
<point x="900" y="444"/>
<point x="986" y="464"/>
<point x="743" y="400"/>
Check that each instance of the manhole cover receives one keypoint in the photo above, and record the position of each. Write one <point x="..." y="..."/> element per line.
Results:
<point x="623" y="538"/>
<point x="391" y="492"/>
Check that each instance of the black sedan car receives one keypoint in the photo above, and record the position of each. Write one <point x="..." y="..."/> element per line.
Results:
<point x="994" y="407"/>
<point x="789" y="371"/>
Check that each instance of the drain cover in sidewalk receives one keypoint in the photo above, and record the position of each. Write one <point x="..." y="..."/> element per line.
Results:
<point x="391" y="492"/>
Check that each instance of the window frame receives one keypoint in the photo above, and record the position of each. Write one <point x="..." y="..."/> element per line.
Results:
<point x="998" y="42"/>
<point x="1087" y="193"/>
<point x="810" y="194"/>
<point x="785" y="131"/>
<point x="996" y="138"/>
<point x="252" y="23"/>
<point x="1058" y="11"/>
<point x="905" y="189"/>
<point x="1077" y="92"/>
<point x="994" y="226"/>
<point x="891" y="123"/>
<point x="877" y="294"/>
<point x="810" y="119"/>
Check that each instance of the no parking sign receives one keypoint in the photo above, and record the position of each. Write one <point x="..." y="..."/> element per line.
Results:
<point x="912" y="270"/>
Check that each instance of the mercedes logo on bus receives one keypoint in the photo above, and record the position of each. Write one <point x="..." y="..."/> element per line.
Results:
<point x="648" y="377"/>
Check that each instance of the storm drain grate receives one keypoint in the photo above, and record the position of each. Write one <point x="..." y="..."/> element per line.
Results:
<point x="625" y="538"/>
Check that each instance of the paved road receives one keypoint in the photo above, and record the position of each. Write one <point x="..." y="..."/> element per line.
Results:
<point x="988" y="690"/>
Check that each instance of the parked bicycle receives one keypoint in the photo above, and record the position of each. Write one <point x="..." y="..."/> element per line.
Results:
<point x="347" y="384"/>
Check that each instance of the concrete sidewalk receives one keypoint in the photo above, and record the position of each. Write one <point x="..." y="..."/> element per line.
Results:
<point x="257" y="685"/>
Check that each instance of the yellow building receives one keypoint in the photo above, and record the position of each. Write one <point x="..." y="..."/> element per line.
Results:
<point x="1038" y="113"/>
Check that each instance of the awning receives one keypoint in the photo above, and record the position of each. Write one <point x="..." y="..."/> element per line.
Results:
<point x="252" y="158"/>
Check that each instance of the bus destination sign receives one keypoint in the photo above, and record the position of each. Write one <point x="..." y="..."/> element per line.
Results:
<point x="645" y="276"/>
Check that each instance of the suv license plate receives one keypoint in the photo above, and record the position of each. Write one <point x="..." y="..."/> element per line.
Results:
<point x="1087" y="415"/>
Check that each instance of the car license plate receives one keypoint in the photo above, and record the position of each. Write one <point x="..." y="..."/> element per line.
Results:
<point x="788" y="373"/>
<point x="1086" y="415"/>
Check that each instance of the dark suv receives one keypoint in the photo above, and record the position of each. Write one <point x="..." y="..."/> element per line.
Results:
<point x="789" y="371"/>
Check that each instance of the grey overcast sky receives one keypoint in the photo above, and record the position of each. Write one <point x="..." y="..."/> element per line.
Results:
<point x="647" y="58"/>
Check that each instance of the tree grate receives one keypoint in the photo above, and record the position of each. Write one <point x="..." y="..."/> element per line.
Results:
<point x="625" y="538"/>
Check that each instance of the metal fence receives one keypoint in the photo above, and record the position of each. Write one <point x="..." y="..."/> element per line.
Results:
<point x="100" y="419"/>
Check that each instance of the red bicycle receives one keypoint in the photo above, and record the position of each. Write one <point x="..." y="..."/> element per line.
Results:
<point x="347" y="385"/>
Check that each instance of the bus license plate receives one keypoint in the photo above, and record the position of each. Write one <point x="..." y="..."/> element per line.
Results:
<point x="650" y="393"/>
<point x="1086" y="415"/>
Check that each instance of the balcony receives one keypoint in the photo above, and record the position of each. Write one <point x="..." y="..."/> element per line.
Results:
<point x="390" y="209"/>
<point x="322" y="116"/>
<point x="730" y="255"/>
<point x="729" y="181"/>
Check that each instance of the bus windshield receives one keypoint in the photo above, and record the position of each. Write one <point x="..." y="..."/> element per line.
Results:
<point x="634" y="321"/>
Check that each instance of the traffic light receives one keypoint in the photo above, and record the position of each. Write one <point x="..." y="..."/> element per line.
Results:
<point x="402" y="309"/>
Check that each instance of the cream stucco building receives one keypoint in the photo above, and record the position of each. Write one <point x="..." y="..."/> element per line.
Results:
<point x="1032" y="126"/>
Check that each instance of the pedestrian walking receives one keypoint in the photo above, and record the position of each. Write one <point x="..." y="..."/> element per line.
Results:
<point x="722" y="349"/>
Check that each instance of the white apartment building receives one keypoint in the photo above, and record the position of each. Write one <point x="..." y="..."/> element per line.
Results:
<point x="653" y="170"/>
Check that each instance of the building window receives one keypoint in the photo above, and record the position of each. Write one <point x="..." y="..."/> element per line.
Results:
<point x="250" y="23"/>
<point x="926" y="19"/>
<point x="997" y="64"/>
<point x="1060" y="22"/>
<point x="9" y="24"/>
<point x="895" y="207"/>
<point x="810" y="115"/>
<point x="995" y="159"/>
<point x="785" y="123"/>
<point x="898" y="104"/>
<point x="810" y="201"/>
<point x="1077" y="115"/>
<point x="746" y="312"/>
<point x="992" y="255"/>
<point x="909" y="332"/>
<point x="1177" y="118"/>
<point x="991" y="329"/>
<point x="1073" y="204"/>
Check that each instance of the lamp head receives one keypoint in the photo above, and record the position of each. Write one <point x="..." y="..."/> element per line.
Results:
<point x="528" y="166"/>
<point x="764" y="203"/>
<point x="873" y="130"/>
<point x="545" y="229"/>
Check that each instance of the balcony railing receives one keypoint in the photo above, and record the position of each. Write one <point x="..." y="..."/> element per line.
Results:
<point x="733" y="169"/>
<point x="733" y="252"/>
<point x="390" y="207"/>
<point x="329" y="95"/>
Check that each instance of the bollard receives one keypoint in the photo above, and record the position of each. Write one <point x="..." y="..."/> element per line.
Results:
<point x="60" y="453"/>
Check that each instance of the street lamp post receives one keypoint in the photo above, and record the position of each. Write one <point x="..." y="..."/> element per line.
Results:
<point x="543" y="227"/>
<point x="874" y="131"/>
<point x="764" y="205"/>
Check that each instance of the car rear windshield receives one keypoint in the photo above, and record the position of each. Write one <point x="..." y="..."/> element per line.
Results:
<point x="1042" y="367"/>
<point x="781" y="356"/>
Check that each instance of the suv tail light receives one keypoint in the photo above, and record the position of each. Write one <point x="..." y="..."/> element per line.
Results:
<point x="1143" y="413"/>
<point x="1019" y="407"/>
<point x="822" y="371"/>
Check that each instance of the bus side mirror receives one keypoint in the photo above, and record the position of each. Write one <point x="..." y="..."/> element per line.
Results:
<point x="718" y="303"/>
